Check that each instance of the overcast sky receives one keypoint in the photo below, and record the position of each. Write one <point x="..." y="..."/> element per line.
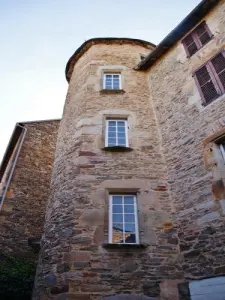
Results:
<point x="37" y="37"/>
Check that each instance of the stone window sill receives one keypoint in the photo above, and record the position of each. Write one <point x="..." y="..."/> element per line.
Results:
<point x="124" y="246"/>
<point x="117" y="149"/>
<point x="105" y="91"/>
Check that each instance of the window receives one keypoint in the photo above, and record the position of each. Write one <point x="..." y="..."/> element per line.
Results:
<point x="210" y="78"/>
<point x="123" y="224"/>
<point x="197" y="39"/>
<point x="222" y="149"/>
<point x="116" y="133"/>
<point x="112" y="81"/>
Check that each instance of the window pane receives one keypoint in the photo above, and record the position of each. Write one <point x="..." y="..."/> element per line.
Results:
<point x="116" y="76"/>
<point x="130" y="238"/>
<point x="112" y="123"/>
<point x="117" y="199"/>
<point x="121" y="141"/>
<point x="121" y="129"/>
<point x="108" y="76"/>
<point x="129" y="218"/>
<point x="117" y="209"/>
<point x="112" y="141"/>
<point x="112" y="129"/>
<point x="128" y="199"/>
<point x="112" y="134"/>
<point x="121" y="123"/>
<point x="117" y="233"/>
<point x="129" y="209"/>
<point x="118" y="218"/>
<point x="129" y="227"/>
<point x="118" y="226"/>
<point x="116" y="86"/>
<point x="121" y="134"/>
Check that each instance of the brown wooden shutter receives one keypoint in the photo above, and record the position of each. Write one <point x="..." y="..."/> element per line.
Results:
<point x="190" y="45"/>
<point x="203" y="33"/>
<point x="200" y="36"/>
<point x="218" y="63"/>
<point x="206" y="84"/>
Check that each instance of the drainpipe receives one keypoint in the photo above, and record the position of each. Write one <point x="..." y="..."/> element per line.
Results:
<point x="14" y="164"/>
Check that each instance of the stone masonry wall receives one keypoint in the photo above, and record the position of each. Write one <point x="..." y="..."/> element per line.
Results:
<point x="74" y="263"/>
<point x="22" y="215"/>
<point x="195" y="164"/>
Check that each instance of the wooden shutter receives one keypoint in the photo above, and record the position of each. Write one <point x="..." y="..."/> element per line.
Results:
<point x="203" y="33"/>
<point x="190" y="45"/>
<point x="206" y="83"/>
<point x="197" y="39"/>
<point x="218" y="65"/>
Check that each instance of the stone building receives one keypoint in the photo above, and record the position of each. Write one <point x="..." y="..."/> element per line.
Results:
<point x="136" y="202"/>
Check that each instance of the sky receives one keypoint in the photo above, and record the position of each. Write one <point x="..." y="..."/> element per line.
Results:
<point x="37" y="37"/>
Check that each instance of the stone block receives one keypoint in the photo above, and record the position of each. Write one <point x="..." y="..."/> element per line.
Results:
<point x="207" y="218"/>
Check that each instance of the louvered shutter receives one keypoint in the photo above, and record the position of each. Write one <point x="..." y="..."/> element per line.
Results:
<point x="203" y="33"/>
<point x="218" y="63"/>
<point x="190" y="45"/>
<point x="206" y="84"/>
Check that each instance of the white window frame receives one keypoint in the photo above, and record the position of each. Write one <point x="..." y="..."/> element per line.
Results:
<point x="110" y="235"/>
<point x="104" y="80"/>
<point x="222" y="151"/>
<point x="107" y="132"/>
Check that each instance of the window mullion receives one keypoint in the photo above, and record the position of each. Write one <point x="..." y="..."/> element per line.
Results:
<point x="110" y="221"/>
<point x="123" y="221"/>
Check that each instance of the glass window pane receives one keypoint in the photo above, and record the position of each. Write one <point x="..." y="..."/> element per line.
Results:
<point x="112" y="123"/>
<point x="121" y="134"/>
<point x="118" y="226"/>
<point x="117" y="209"/>
<point x="117" y="199"/>
<point x="117" y="238"/>
<point x="112" y="134"/>
<point x="116" y="76"/>
<point x="117" y="218"/>
<point x="129" y="209"/>
<point x="121" y="129"/>
<point x="129" y="227"/>
<point x="129" y="218"/>
<point x="112" y="140"/>
<point x="130" y="238"/>
<point x="112" y="129"/>
<point x="121" y="123"/>
<point x="117" y="233"/>
<point x="108" y="76"/>
<point x="116" y="86"/>
<point x="128" y="199"/>
<point x="121" y="140"/>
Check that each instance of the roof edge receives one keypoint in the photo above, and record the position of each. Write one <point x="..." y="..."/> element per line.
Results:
<point x="87" y="44"/>
<point x="192" y="19"/>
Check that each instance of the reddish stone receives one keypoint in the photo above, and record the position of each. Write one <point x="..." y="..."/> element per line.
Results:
<point x="86" y="153"/>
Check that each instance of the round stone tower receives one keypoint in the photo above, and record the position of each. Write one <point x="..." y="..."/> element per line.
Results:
<point x="108" y="224"/>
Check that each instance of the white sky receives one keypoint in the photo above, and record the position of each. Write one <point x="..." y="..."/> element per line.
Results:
<point x="37" y="37"/>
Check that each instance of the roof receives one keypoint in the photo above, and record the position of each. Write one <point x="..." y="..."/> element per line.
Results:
<point x="191" y="20"/>
<point x="104" y="40"/>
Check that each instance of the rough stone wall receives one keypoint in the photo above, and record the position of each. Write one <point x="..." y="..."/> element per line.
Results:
<point x="23" y="212"/>
<point x="74" y="264"/>
<point x="196" y="167"/>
